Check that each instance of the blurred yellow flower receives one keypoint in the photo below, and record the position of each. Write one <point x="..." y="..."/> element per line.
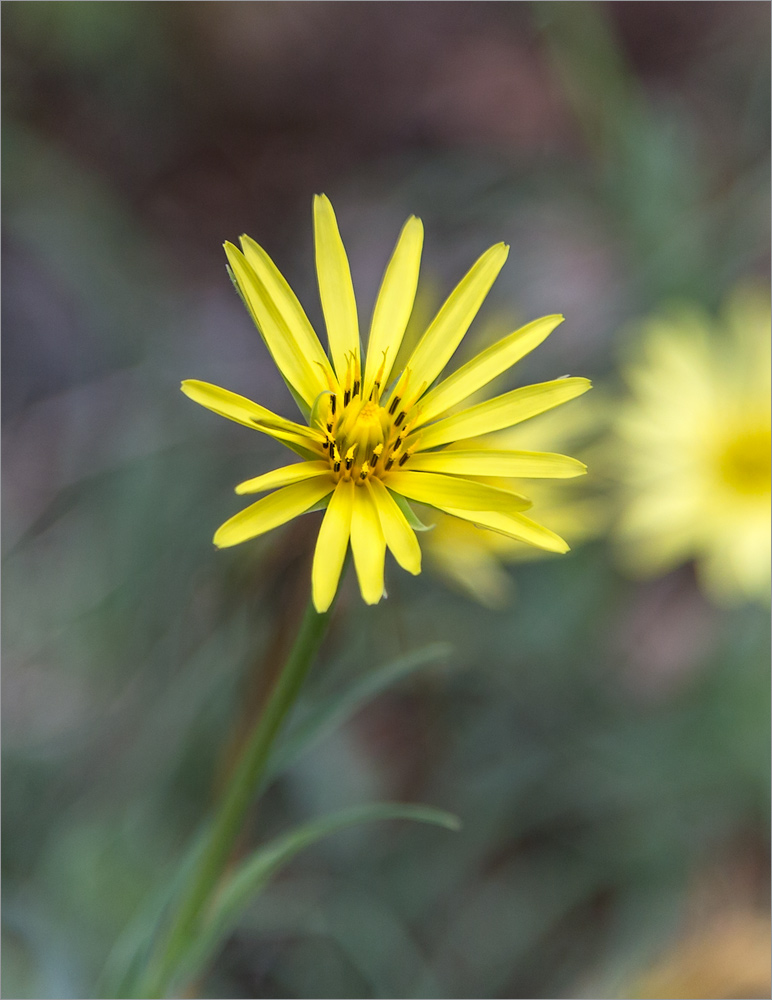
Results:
<point x="474" y="561"/>
<point x="729" y="957"/>
<point x="375" y="438"/>
<point x="695" y="448"/>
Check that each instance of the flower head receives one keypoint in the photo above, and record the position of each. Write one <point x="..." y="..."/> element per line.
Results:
<point x="375" y="438"/>
<point x="695" y="448"/>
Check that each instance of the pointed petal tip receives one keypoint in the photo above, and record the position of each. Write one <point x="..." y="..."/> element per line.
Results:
<point x="221" y="540"/>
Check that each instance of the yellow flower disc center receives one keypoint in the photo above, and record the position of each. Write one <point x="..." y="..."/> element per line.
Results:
<point x="365" y="439"/>
<point x="744" y="462"/>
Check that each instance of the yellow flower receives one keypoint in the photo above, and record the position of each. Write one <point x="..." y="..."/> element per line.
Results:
<point x="695" y="448"/>
<point x="375" y="438"/>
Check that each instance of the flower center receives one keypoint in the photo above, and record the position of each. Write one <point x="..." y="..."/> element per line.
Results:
<point x="744" y="462"/>
<point x="363" y="438"/>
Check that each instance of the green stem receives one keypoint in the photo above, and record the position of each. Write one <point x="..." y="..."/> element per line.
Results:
<point x="239" y="795"/>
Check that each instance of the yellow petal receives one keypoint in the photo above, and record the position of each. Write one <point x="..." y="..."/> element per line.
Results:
<point x="485" y="367"/>
<point x="291" y="359"/>
<point x="283" y="477"/>
<point x="399" y="536"/>
<point x="515" y="526"/>
<point x="442" y="491"/>
<point x="229" y="404"/>
<point x="528" y="464"/>
<point x="335" y="287"/>
<point x="447" y="330"/>
<point x="273" y="510"/>
<point x="331" y="546"/>
<point x="368" y="546"/>
<point x="288" y="307"/>
<point x="394" y="304"/>
<point x="502" y="411"/>
<point x="298" y="437"/>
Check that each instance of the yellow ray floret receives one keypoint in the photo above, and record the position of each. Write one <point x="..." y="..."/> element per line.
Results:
<point x="527" y="464"/>
<point x="393" y="306"/>
<point x="369" y="447"/>
<point x="335" y="288"/>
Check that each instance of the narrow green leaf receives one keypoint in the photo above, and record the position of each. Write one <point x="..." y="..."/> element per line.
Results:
<point x="333" y="713"/>
<point x="253" y="873"/>
<point x="127" y="959"/>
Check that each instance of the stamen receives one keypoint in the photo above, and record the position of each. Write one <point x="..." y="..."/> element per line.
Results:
<point x="350" y="361"/>
<point x="333" y="402"/>
<point x="327" y="376"/>
<point x="421" y="391"/>
<point x="355" y="390"/>
<point x="389" y="463"/>
<point x="350" y="456"/>
<point x="378" y="380"/>
<point x="400" y="417"/>
<point x="404" y="458"/>
<point x="376" y="454"/>
<point x="400" y="391"/>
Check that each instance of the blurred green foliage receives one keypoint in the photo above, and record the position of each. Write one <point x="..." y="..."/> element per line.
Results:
<point x="602" y="742"/>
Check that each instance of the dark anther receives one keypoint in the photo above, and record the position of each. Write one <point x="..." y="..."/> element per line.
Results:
<point x="397" y="443"/>
<point x="355" y="390"/>
<point x="325" y="445"/>
<point x="349" y="463"/>
<point x="394" y="405"/>
<point x="389" y="464"/>
<point x="363" y="475"/>
<point x="400" y="418"/>
<point x="404" y="458"/>
<point x="346" y="398"/>
<point x="336" y="467"/>
<point x="333" y="402"/>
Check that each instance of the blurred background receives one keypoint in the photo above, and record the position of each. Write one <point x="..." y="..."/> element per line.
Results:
<point x="604" y="738"/>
